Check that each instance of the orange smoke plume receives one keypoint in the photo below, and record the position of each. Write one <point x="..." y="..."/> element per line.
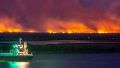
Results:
<point x="108" y="27"/>
<point x="9" y="25"/>
<point x="60" y="26"/>
<point x="67" y="27"/>
<point x="55" y="26"/>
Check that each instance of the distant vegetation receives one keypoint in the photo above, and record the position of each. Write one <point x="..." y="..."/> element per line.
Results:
<point x="76" y="48"/>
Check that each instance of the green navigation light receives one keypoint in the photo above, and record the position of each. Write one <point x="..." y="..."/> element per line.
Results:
<point x="15" y="49"/>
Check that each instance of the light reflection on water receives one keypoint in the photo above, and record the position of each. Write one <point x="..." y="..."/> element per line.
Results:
<point x="18" y="64"/>
<point x="14" y="64"/>
<point x="100" y="60"/>
<point x="23" y="64"/>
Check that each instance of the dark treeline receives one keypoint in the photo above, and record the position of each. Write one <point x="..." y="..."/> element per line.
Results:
<point x="76" y="48"/>
<point x="60" y="36"/>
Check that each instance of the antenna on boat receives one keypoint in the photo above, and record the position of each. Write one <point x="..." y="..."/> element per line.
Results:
<point x="20" y="40"/>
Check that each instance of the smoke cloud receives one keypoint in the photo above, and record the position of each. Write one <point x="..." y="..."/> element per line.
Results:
<point x="39" y="14"/>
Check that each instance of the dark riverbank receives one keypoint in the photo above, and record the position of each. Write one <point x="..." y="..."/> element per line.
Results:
<point x="76" y="48"/>
<point x="60" y="36"/>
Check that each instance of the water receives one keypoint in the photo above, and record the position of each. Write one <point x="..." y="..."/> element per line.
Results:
<point x="100" y="60"/>
<point x="58" y="59"/>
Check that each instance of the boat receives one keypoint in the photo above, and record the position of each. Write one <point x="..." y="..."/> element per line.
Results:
<point x="18" y="52"/>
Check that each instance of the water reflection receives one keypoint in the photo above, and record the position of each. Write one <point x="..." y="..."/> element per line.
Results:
<point x="18" y="64"/>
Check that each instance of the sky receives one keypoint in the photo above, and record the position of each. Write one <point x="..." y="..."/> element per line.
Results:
<point x="71" y="16"/>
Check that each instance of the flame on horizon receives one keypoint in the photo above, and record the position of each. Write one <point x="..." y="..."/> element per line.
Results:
<point x="9" y="25"/>
<point x="57" y="26"/>
<point x="60" y="16"/>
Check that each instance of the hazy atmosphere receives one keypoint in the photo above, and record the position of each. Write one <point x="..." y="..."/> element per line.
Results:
<point x="63" y="16"/>
<point x="59" y="33"/>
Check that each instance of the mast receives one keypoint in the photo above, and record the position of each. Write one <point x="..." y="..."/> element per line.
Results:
<point x="20" y="41"/>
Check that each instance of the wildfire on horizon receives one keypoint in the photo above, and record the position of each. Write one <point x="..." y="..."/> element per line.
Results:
<point x="60" y="16"/>
<point x="9" y="25"/>
<point x="81" y="28"/>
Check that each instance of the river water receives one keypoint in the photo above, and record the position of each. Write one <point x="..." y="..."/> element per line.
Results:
<point x="92" y="60"/>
